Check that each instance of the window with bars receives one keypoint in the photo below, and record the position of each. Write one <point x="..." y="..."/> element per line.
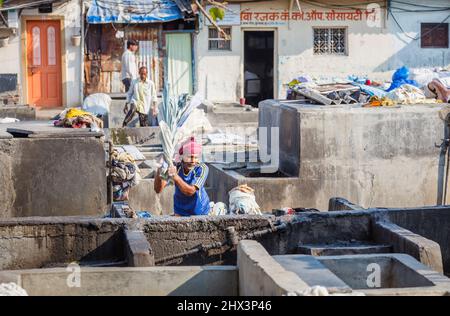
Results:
<point x="216" y="41"/>
<point x="330" y="41"/>
<point x="434" y="35"/>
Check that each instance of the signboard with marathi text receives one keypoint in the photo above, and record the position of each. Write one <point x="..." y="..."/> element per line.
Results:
<point x="282" y="17"/>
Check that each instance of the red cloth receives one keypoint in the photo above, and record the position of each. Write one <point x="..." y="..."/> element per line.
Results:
<point x="190" y="147"/>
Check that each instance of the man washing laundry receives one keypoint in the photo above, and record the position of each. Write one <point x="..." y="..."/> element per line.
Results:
<point x="189" y="177"/>
<point x="142" y="99"/>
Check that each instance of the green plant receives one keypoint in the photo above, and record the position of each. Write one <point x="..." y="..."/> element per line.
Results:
<point x="217" y="13"/>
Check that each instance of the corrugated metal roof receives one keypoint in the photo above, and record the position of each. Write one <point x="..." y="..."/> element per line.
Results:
<point x="133" y="11"/>
<point x="185" y="6"/>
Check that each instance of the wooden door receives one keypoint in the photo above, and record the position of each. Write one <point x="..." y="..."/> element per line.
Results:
<point x="44" y="81"/>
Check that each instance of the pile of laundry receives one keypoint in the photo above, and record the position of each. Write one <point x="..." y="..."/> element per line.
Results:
<point x="419" y="86"/>
<point x="242" y="201"/>
<point x="124" y="174"/>
<point x="77" y="118"/>
<point x="11" y="289"/>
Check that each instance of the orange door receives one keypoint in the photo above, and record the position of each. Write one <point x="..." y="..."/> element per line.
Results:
<point x="44" y="63"/>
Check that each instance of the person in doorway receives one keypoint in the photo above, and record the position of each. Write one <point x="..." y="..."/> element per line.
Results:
<point x="142" y="98"/>
<point x="189" y="178"/>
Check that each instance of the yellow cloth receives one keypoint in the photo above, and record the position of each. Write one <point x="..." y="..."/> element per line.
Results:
<point x="72" y="112"/>
<point x="142" y="96"/>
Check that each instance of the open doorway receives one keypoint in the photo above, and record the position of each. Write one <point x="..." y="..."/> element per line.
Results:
<point x="258" y="66"/>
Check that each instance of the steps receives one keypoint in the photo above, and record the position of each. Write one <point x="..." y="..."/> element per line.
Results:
<point x="343" y="248"/>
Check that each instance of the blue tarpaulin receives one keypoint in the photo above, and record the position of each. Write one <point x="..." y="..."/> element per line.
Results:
<point x="135" y="11"/>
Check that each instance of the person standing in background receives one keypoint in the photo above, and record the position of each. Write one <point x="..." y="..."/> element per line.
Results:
<point x="142" y="99"/>
<point x="129" y="67"/>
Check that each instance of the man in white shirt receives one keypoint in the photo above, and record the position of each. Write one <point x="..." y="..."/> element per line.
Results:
<point x="129" y="65"/>
<point x="142" y="98"/>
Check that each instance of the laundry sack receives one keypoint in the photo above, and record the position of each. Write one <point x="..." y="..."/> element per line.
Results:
<point x="243" y="202"/>
<point x="97" y="103"/>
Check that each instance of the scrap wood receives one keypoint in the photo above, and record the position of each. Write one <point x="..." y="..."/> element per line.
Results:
<point x="313" y="95"/>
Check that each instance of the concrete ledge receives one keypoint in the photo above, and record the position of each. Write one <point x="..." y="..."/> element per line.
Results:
<point x="174" y="281"/>
<point x="341" y="204"/>
<point x="5" y="135"/>
<point x="138" y="250"/>
<point x="131" y="135"/>
<point x="23" y="113"/>
<point x="424" y="250"/>
<point x="261" y="275"/>
<point x="338" y="249"/>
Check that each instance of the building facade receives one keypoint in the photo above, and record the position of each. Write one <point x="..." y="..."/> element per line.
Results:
<point x="43" y="53"/>
<point x="55" y="56"/>
<point x="273" y="42"/>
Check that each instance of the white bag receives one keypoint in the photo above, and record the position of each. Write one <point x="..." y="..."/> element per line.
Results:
<point x="97" y="103"/>
<point x="243" y="203"/>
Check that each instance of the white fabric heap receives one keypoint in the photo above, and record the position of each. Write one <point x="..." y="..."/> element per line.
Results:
<point x="218" y="209"/>
<point x="7" y="120"/>
<point x="407" y="94"/>
<point x="242" y="201"/>
<point x="97" y="103"/>
<point x="311" y="291"/>
<point x="12" y="289"/>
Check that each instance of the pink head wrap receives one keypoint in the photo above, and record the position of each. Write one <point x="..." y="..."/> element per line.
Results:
<point x="190" y="147"/>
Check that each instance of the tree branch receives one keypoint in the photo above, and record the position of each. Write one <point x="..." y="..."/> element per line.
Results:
<point x="221" y="31"/>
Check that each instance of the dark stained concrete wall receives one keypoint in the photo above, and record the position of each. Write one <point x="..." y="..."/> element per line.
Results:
<point x="432" y="223"/>
<point x="38" y="242"/>
<point x="52" y="177"/>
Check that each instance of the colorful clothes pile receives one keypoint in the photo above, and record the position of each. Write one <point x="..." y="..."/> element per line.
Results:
<point x="124" y="175"/>
<point x="76" y="118"/>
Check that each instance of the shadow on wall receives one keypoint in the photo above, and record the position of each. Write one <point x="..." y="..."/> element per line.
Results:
<point x="412" y="55"/>
<point x="210" y="281"/>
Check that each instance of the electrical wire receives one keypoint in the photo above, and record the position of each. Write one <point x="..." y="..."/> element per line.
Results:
<point x="402" y="10"/>
<point x="343" y="6"/>
<point x="417" y="5"/>
<point x="422" y="35"/>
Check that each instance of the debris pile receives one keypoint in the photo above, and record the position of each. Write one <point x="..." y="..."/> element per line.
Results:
<point x="418" y="87"/>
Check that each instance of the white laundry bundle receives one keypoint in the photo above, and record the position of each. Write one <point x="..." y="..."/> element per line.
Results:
<point x="242" y="201"/>
<point x="311" y="291"/>
<point x="11" y="289"/>
<point x="218" y="209"/>
<point x="407" y="94"/>
<point x="7" y="120"/>
<point x="97" y="103"/>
